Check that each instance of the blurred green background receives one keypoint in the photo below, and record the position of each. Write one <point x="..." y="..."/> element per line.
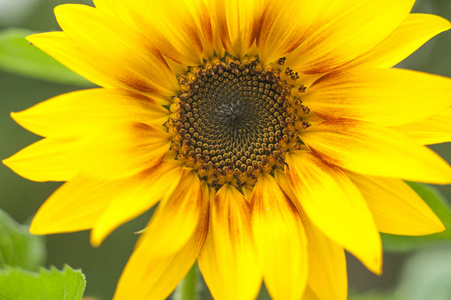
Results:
<point x="102" y="266"/>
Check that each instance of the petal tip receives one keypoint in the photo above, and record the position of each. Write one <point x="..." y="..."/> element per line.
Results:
<point x="58" y="9"/>
<point x="95" y="240"/>
<point x="375" y="265"/>
<point x="36" y="228"/>
<point x="446" y="24"/>
<point x="6" y="162"/>
<point x="13" y="163"/>
<point x="61" y="7"/>
<point x="30" y="38"/>
<point x="36" y="38"/>
<point x="15" y="116"/>
<point x="21" y="117"/>
<point x="444" y="180"/>
<point x="439" y="227"/>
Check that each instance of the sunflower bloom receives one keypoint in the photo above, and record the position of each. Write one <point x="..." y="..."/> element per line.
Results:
<point x="274" y="135"/>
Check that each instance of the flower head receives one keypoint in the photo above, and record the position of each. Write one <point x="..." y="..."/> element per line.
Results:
<point x="274" y="135"/>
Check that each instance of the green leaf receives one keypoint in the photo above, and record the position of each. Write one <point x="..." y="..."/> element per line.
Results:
<point x="440" y="207"/>
<point x="18" y="284"/>
<point x="18" y="56"/>
<point x="18" y="247"/>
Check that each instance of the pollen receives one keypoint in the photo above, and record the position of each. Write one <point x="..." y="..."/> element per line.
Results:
<point x="234" y="119"/>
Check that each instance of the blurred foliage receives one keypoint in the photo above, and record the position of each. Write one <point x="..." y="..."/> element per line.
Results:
<point x="374" y="296"/>
<point x="189" y="288"/>
<point x="18" y="56"/>
<point x="440" y="207"/>
<point x="18" y="247"/>
<point x="17" y="284"/>
<point x="427" y="274"/>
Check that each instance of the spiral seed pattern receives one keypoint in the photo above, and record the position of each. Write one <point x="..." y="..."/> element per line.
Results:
<point x="233" y="121"/>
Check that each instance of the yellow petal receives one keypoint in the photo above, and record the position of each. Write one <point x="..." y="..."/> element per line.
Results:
<point x="247" y="192"/>
<point x="368" y="149"/>
<point x="327" y="282"/>
<point x="416" y="30"/>
<point x="219" y="48"/>
<point x="280" y="239"/>
<point x="228" y="260"/>
<point x="117" y="49"/>
<point x="202" y="17"/>
<point x="117" y="9"/>
<point x="333" y="204"/>
<point x="327" y="275"/>
<point x="282" y="180"/>
<point x="396" y="208"/>
<point x="386" y="97"/>
<point x="284" y="25"/>
<point x="177" y="216"/>
<point x="75" y="206"/>
<point x="237" y="23"/>
<point x="123" y="150"/>
<point x="80" y="112"/>
<point x="181" y="30"/>
<point x="45" y="160"/>
<point x="63" y="49"/>
<point x="148" y="276"/>
<point x="137" y="195"/>
<point x="346" y="30"/>
<point x="433" y="130"/>
<point x="309" y="294"/>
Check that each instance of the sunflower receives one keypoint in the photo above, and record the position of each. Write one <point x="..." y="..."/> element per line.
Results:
<point x="274" y="136"/>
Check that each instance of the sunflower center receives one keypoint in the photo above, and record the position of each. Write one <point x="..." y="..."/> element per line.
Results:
<point x="232" y="121"/>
